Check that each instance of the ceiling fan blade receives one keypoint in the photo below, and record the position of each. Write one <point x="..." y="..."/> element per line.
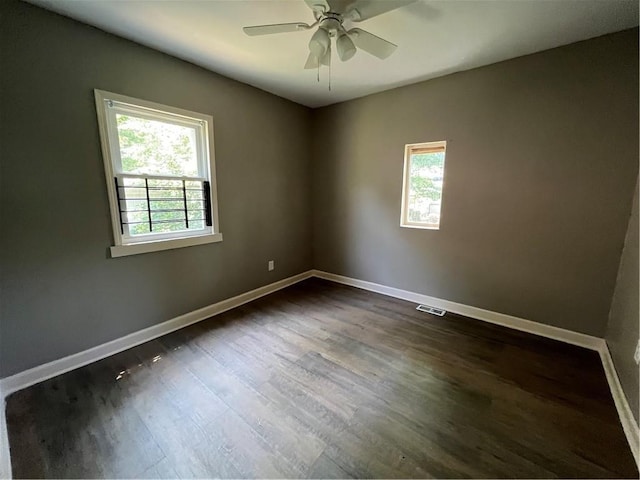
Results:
<point x="318" y="5"/>
<point x="312" y="62"/>
<point x="339" y="6"/>
<point x="370" y="43"/>
<point x="275" y="28"/>
<point x="361" y="10"/>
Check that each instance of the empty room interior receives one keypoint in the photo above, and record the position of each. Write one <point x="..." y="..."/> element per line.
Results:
<point x="319" y="239"/>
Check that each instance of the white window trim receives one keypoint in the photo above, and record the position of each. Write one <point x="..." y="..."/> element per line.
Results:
<point x="146" y="247"/>
<point x="111" y="157"/>
<point x="404" y="208"/>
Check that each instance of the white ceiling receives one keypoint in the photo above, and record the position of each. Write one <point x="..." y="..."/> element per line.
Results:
<point x="434" y="38"/>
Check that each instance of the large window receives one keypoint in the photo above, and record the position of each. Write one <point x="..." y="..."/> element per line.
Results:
<point x="160" y="174"/>
<point x="422" y="185"/>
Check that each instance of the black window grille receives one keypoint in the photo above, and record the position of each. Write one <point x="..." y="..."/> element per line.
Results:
<point x="162" y="205"/>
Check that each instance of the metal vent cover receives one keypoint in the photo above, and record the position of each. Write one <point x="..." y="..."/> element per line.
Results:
<point x="432" y="310"/>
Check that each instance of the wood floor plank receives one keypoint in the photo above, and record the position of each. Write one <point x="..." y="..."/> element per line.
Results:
<point x="320" y="380"/>
<point x="364" y="457"/>
<point x="294" y="441"/>
<point x="250" y="453"/>
<point x="310" y="411"/>
<point x="326" y="468"/>
<point x="161" y="470"/>
<point x="88" y="429"/>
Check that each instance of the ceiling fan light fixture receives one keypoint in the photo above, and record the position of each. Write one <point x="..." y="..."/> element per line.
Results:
<point x="319" y="42"/>
<point x="346" y="48"/>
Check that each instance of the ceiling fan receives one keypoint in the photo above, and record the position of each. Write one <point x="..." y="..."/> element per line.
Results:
<point x="330" y="16"/>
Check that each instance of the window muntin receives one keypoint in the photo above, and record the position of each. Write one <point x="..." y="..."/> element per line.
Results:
<point x="159" y="165"/>
<point x="423" y="185"/>
<point x="157" y="205"/>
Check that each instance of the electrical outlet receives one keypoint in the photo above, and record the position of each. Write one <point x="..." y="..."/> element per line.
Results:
<point x="271" y="265"/>
<point x="636" y="357"/>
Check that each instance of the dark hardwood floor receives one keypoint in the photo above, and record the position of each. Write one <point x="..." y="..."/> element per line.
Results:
<point x="325" y="381"/>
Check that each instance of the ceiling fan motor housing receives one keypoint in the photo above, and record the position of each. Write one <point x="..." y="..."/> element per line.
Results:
<point x="332" y="23"/>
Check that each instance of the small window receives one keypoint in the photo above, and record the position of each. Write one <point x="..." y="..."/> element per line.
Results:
<point x="422" y="185"/>
<point x="160" y="174"/>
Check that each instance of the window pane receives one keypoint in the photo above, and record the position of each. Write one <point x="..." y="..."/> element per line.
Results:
<point x="139" y="229"/>
<point x="195" y="215"/>
<point x="132" y="182"/>
<point x="426" y="175"/>
<point x="135" y="217"/>
<point x="133" y="205"/>
<point x="197" y="224"/>
<point x="195" y="205"/>
<point x="166" y="227"/>
<point x="195" y="194"/>
<point x="154" y="147"/>
<point x="164" y="216"/>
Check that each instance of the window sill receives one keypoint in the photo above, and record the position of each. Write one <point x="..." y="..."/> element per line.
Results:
<point x="420" y="227"/>
<point x="147" y="247"/>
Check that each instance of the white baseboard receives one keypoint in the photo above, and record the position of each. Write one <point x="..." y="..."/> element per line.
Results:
<point x="52" y="369"/>
<point x="567" y="336"/>
<point x="627" y="419"/>
<point x="5" y="458"/>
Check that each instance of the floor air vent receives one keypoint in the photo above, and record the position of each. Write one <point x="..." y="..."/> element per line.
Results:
<point x="432" y="310"/>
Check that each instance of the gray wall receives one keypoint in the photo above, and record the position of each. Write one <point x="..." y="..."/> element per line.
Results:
<point x="541" y="164"/>
<point x="60" y="291"/>
<point x="623" y="330"/>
